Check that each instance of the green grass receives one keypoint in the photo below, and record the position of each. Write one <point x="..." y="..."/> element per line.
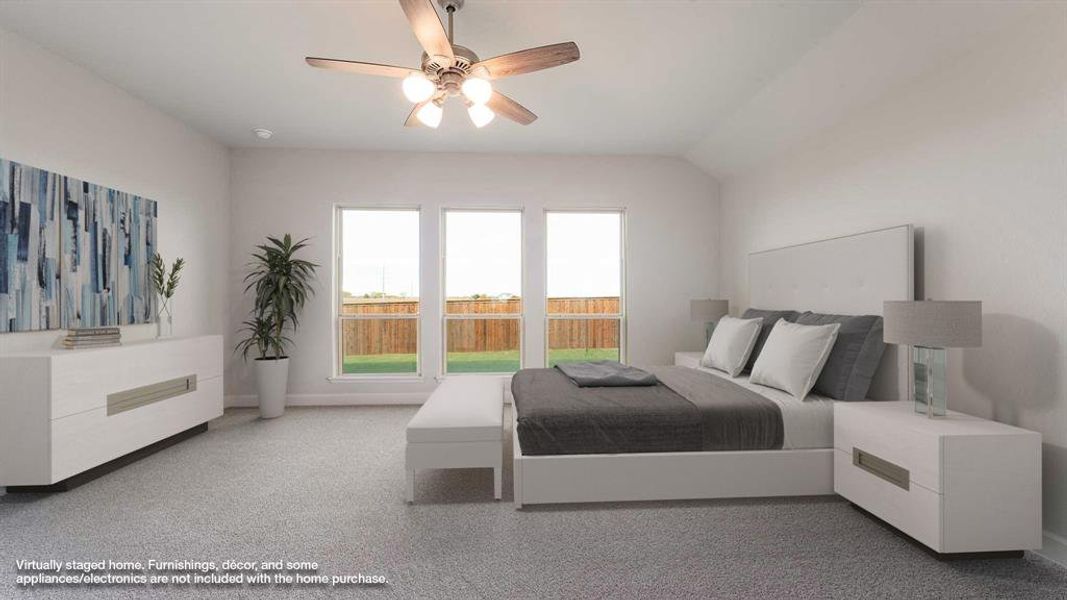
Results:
<point x="458" y="362"/>
<point x="470" y="362"/>
<point x="505" y="361"/>
<point x="566" y="355"/>
<point x="379" y="363"/>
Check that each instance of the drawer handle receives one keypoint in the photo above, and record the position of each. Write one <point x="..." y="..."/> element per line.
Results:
<point x="149" y="394"/>
<point x="880" y="467"/>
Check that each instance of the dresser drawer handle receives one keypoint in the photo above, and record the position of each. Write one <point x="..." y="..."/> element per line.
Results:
<point x="881" y="467"/>
<point x="123" y="401"/>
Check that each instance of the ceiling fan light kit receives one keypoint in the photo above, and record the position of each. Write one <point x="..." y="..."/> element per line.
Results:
<point x="418" y="87"/>
<point x="480" y="114"/>
<point x="430" y="114"/>
<point x="477" y="90"/>
<point x="449" y="70"/>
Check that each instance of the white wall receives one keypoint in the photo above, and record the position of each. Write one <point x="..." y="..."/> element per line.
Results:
<point x="671" y="234"/>
<point x="57" y="116"/>
<point x="973" y="155"/>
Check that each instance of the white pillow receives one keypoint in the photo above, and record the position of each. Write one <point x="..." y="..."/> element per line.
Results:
<point x="731" y="343"/>
<point x="793" y="356"/>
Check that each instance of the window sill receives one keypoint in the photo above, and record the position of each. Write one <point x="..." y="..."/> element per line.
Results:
<point x="440" y="378"/>
<point x="373" y="378"/>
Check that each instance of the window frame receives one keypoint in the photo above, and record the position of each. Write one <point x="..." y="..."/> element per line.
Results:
<point x="621" y="316"/>
<point x="338" y="318"/>
<point x="442" y="286"/>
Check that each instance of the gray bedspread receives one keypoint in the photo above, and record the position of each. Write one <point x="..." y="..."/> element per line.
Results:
<point x="606" y="373"/>
<point x="687" y="411"/>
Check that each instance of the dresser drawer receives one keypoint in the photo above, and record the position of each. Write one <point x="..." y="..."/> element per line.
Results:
<point x="84" y="440"/>
<point x="916" y="510"/>
<point x="911" y="448"/>
<point x="78" y="385"/>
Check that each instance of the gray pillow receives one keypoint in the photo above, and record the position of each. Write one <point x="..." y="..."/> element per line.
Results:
<point x="770" y="317"/>
<point x="854" y="357"/>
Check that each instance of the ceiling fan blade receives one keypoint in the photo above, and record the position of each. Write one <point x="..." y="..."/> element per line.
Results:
<point x="508" y="108"/>
<point x="427" y="27"/>
<point x="362" y="68"/>
<point x="529" y="60"/>
<point x="412" y="120"/>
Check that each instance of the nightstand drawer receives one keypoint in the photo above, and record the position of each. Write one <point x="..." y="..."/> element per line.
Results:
<point x="876" y="487"/>
<point x="688" y="359"/>
<point x="914" y="450"/>
<point x="957" y="484"/>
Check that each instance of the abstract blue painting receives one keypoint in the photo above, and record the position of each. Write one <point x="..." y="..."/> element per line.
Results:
<point x="136" y="222"/>
<point x="29" y="248"/>
<point x="72" y="253"/>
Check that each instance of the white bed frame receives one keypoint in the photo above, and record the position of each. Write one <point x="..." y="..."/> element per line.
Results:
<point x="853" y="274"/>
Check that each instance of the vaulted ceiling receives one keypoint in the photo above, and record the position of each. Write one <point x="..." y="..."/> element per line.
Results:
<point x="655" y="77"/>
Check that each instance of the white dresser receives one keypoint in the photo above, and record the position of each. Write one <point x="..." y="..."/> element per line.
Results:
<point x="958" y="484"/>
<point x="64" y="412"/>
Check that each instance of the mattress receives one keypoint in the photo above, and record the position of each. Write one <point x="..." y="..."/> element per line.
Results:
<point x="808" y="423"/>
<point x="717" y="412"/>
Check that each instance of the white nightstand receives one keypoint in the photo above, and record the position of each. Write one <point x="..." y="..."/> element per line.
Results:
<point x="687" y="359"/>
<point x="959" y="485"/>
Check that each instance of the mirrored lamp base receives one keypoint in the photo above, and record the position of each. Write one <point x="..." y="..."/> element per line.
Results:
<point x="928" y="376"/>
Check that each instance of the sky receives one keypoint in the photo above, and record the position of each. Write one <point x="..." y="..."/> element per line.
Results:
<point x="583" y="254"/>
<point x="380" y="252"/>
<point x="483" y="253"/>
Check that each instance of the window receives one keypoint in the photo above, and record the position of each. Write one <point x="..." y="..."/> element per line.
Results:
<point x="483" y="291"/>
<point x="378" y="300"/>
<point x="584" y="306"/>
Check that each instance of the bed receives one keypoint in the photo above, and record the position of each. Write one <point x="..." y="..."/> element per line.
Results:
<point x="661" y="451"/>
<point x="688" y="410"/>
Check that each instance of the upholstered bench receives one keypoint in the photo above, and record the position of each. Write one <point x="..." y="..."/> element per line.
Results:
<point x="460" y="426"/>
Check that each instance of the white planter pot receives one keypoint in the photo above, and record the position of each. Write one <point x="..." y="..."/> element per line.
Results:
<point x="272" y="383"/>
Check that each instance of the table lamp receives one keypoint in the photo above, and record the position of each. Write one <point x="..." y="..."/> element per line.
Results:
<point x="708" y="312"/>
<point x="929" y="327"/>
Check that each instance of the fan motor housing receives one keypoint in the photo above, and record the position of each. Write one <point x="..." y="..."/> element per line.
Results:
<point x="434" y="66"/>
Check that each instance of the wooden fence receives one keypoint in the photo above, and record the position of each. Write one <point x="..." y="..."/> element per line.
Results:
<point x="398" y="336"/>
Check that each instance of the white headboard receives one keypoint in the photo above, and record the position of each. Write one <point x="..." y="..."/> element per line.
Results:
<point x="851" y="275"/>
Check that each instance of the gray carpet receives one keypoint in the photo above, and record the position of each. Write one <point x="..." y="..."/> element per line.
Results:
<point x="327" y="485"/>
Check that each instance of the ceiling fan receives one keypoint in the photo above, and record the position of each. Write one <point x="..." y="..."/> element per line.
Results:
<point x="450" y="70"/>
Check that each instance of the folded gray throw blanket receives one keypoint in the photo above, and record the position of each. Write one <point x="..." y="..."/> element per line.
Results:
<point x="606" y="373"/>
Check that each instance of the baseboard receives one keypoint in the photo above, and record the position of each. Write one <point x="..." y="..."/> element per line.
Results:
<point x="349" y="399"/>
<point x="344" y="399"/>
<point x="1054" y="548"/>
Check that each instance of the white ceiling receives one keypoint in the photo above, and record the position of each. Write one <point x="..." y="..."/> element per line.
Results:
<point x="655" y="76"/>
<point x="724" y="83"/>
<point x="884" y="47"/>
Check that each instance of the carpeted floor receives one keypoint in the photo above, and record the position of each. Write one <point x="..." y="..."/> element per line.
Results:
<point x="326" y="485"/>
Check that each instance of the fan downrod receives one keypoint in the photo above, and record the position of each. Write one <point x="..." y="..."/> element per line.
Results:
<point x="451" y="7"/>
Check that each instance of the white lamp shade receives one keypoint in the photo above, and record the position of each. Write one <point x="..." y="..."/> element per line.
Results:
<point x="418" y="88"/>
<point x="708" y="310"/>
<point x="430" y="115"/>
<point x="477" y="90"/>
<point x="480" y="115"/>
<point x="933" y="323"/>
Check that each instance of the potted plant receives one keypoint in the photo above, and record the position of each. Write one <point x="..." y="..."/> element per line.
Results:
<point x="282" y="283"/>
<point x="165" y="285"/>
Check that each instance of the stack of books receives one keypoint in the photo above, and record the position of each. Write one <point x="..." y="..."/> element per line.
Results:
<point x="92" y="337"/>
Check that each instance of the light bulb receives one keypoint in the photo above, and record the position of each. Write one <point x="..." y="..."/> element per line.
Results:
<point x="430" y="115"/>
<point x="477" y="90"/>
<point x="418" y="88"/>
<point x="480" y="115"/>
